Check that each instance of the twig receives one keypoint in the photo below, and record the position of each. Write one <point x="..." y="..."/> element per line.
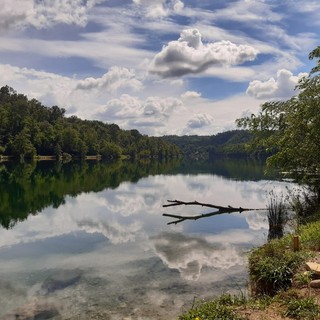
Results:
<point x="221" y="210"/>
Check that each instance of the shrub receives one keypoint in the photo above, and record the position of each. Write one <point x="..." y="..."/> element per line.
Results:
<point x="272" y="267"/>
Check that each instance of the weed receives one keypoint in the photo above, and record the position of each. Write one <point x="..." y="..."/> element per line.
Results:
<point x="303" y="278"/>
<point x="301" y="308"/>
<point x="272" y="266"/>
<point x="277" y="216"/>
<point x="309" y="235"/>
<point x="220" y="308"/>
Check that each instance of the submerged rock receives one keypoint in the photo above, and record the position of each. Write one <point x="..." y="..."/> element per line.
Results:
<point x="60" y="280"/>
<point x="36" y="310"/>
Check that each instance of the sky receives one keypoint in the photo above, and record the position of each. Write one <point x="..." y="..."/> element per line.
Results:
<point x="159" y="66"/>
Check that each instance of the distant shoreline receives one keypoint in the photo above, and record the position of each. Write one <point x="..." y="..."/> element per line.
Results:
<point x="48" y="158"/>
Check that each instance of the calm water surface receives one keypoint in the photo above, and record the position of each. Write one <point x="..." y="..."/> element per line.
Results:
<point x="90" y="239"/>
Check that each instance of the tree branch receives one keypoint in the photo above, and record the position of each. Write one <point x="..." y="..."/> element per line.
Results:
<point x="220" y="210"/>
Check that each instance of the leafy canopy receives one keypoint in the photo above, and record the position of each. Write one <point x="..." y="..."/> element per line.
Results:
<point x="290" y="130"/>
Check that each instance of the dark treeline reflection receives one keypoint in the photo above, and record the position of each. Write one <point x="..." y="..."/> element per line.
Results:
<point x="236" y="169"/>
<point x="28" y="188"/>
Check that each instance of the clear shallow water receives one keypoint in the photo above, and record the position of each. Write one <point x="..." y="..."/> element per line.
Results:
<point x="128" y="263"/>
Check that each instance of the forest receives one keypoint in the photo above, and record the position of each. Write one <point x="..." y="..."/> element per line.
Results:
<point x="232" y="144"/>
<point x="29" y="129"/>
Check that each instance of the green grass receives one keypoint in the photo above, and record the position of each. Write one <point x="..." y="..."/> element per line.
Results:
<point x="301" y="308"/>
<point x="272" y="268"/>
<point x="222" y="308"/>
<point x="309" y="235"/>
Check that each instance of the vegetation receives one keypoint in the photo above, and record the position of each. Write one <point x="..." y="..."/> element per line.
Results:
<point x="229" y="143"/>
<point x="27" y="129"/>
<point x="28" y="188"/>
<point x="290" y="130"/>
<point x="221" y="308"/>
<point x="278" y="278"/>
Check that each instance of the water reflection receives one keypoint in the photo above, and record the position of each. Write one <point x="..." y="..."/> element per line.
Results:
<point x="28" y="188"/>
<point x="190" y="254"/>
<point x="108" y="226"/>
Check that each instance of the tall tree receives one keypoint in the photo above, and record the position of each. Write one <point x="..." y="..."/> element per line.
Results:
<point x="291" y="129"/>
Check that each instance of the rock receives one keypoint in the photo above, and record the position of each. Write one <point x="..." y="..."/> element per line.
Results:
<point x="36" y="310"/>
<point x="61" y="280"/>
<point x="315" y="284"/>
<point x="314" y="267"/>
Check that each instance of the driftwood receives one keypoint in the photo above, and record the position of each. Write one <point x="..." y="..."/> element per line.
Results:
<point x="220" y="210"/>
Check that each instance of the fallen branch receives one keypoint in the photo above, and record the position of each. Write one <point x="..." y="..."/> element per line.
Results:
<point x="220" y="210"/>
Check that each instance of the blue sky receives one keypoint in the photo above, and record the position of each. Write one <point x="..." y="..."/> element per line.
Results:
<point x="161" y="66"/>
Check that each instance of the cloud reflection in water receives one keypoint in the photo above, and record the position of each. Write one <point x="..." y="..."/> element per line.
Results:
<point x="190" y="254"/>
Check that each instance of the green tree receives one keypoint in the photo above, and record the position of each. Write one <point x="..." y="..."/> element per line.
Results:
<point x="109" y="150"/>
<point x="22" y="146"/>
<point x="291" y="130"/>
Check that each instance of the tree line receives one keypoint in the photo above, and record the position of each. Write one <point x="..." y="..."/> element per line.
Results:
<point x="29" y="129"/>
<point x="29" y="187"/>
<point x="290" y="130"/>
<point x="230" y="144"/>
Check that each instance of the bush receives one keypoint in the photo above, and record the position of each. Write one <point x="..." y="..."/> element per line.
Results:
<point x="309" y="235"/>
<point x="272" y="267"/>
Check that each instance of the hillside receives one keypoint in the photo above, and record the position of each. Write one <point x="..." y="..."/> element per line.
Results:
<point x="229" y="143"/>
<point x="29" y="129"/>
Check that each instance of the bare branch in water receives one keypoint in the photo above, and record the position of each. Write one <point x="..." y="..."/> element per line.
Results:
<point x="220" y="210"/>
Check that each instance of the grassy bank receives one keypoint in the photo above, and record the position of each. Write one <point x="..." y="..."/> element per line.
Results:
<point x="279" y="280"/>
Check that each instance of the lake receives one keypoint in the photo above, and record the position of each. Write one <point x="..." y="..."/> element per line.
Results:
<point x="88" y="240"/>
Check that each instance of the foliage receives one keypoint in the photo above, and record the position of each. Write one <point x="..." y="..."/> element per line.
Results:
<point x="290" y="130"/>
<point x="309" y="235"/>
<point x="230" y="143"/>
<point x="301" y="308"/>
<point x="27" y="128"/>
<point x="306" y="204"/>
<point x="277" y="216"/>
<point x="303" y="278"/>
<point x="221" y="308"/>
<point x="28" y="188"/>
<point x="272" y="266"/>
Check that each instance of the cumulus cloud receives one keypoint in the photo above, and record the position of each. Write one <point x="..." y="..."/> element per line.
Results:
<point x="160" y="8"/>
<point x="190" y="95"/>
<point x="113" y="230"/>
<point x="132" y="107"/>
<point x="200" y="120"/>
<point x="45" y="13"/>
<point x="73" y="94"/>
<point x="190" y="254"/>
<point x="112" y="80"/>
<point x="189" y="55"/>
<point x="281" y="87"/>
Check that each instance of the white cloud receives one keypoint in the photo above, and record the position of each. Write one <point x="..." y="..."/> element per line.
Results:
<point x="146" y="115"/>
<point x="45" y="13"/>
<point x="190" y="95"/>
<point x="283" y="87"/>
<point x="200" y="120"/>
<point x="112" y="80"/>
<point x="82" y="96"/>
<point x="188" y="55"/>
<point x="190" y="254"/>
<point x="113" y="230"/>
<point x="160" y="8"/>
